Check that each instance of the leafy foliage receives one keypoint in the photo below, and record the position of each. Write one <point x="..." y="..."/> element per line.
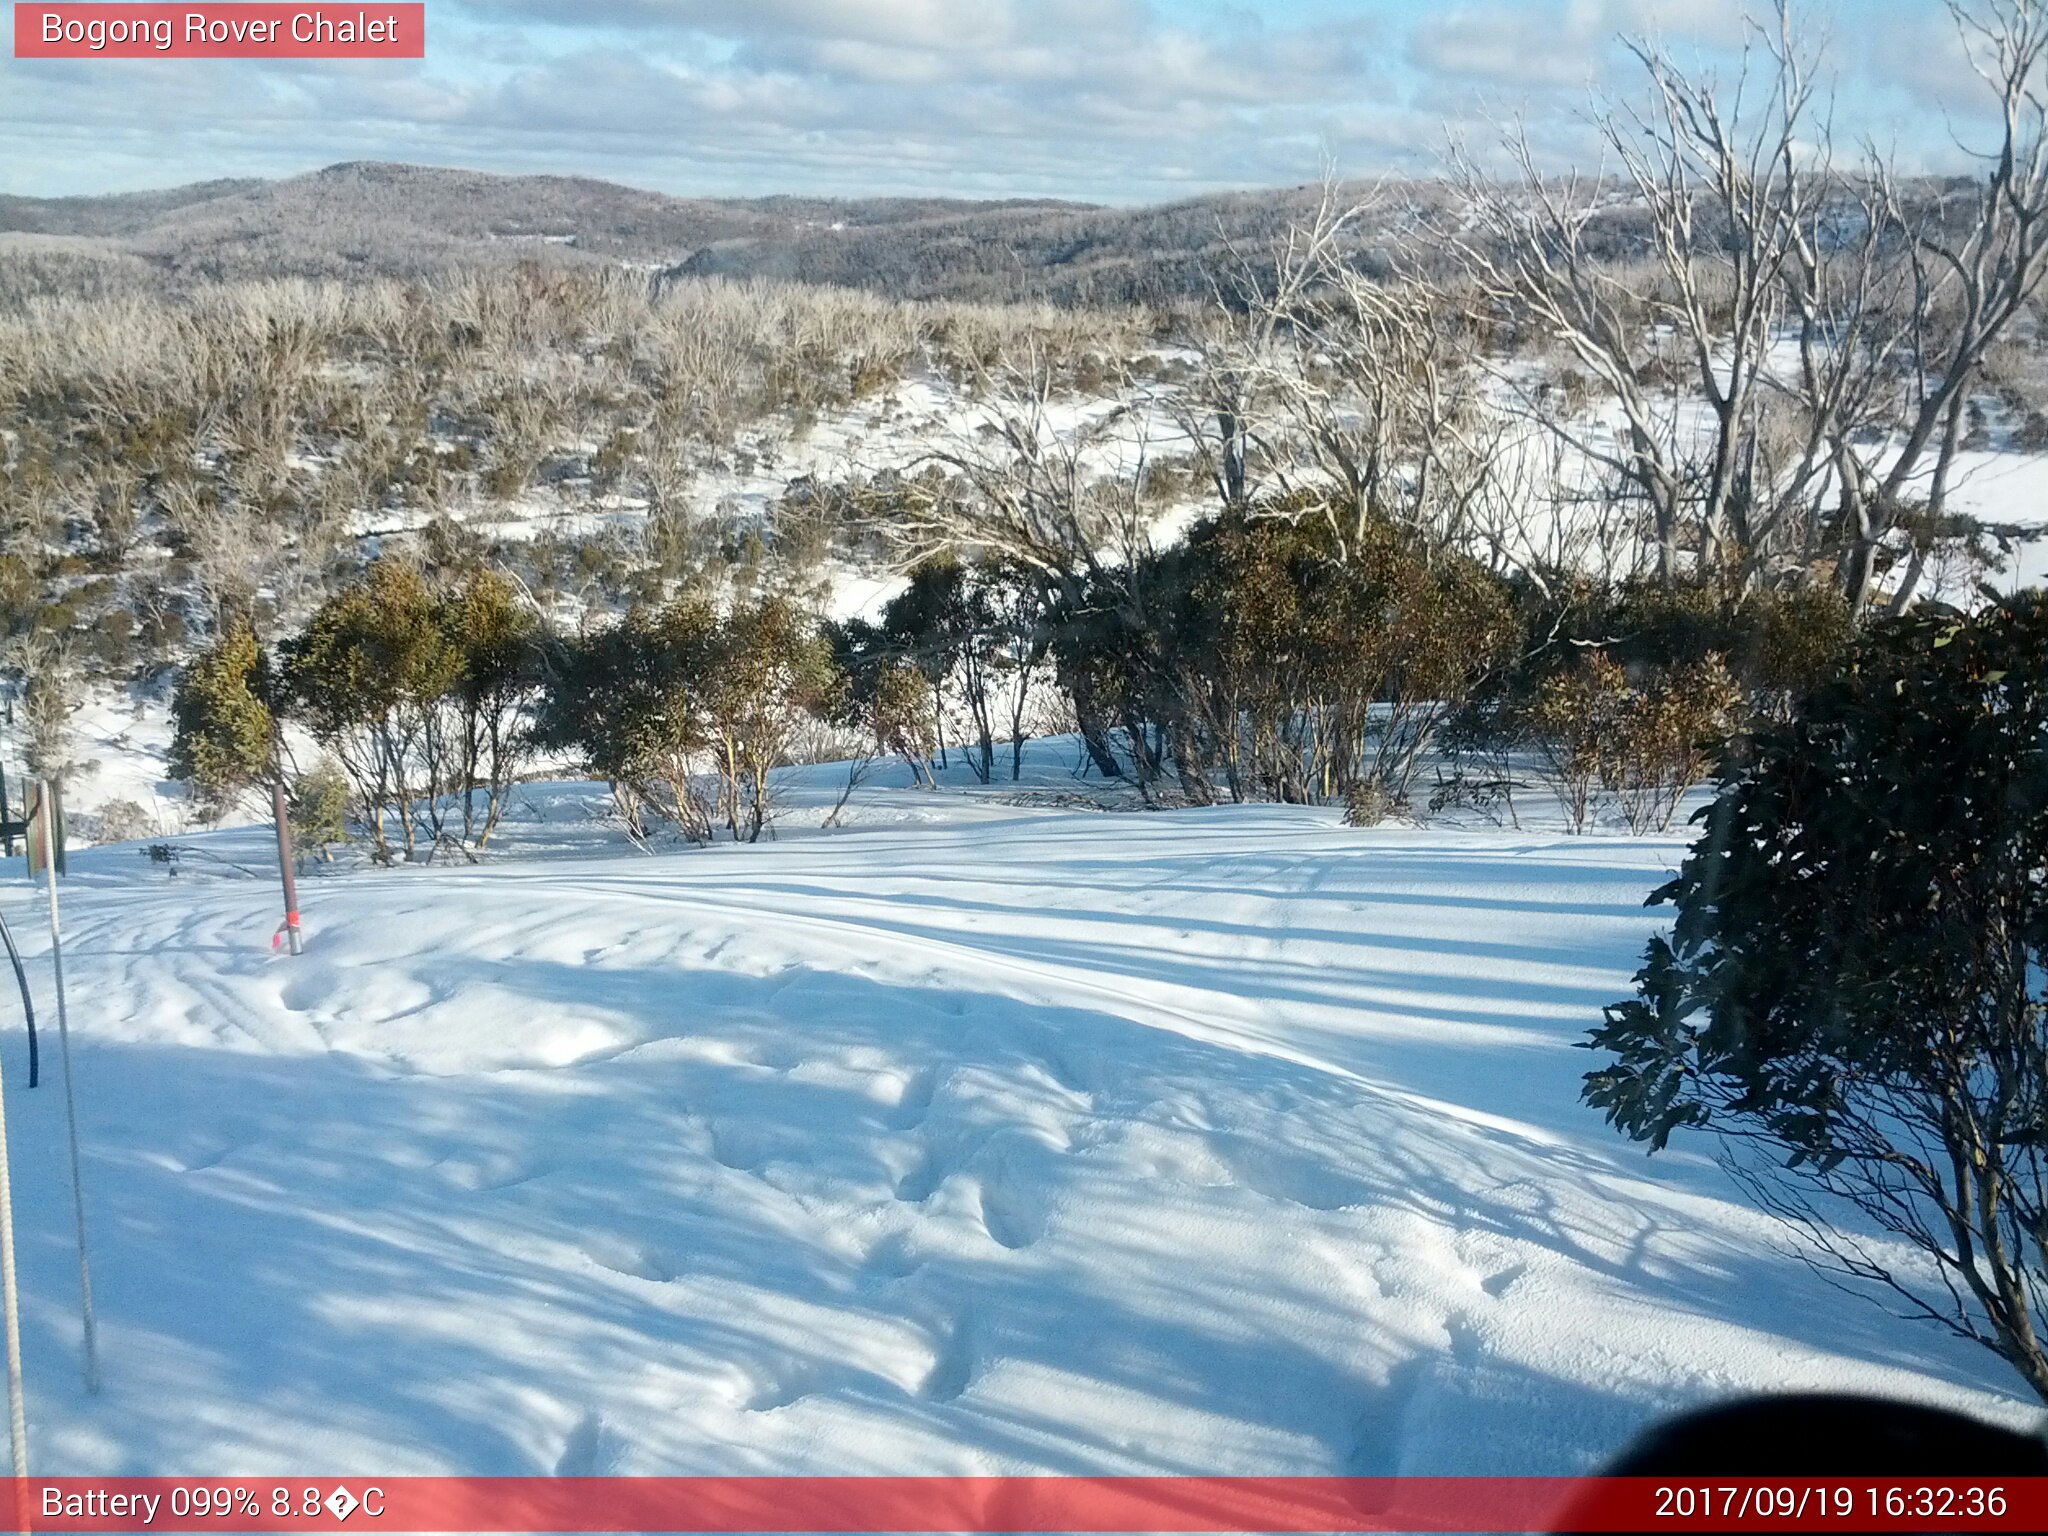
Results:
<point x="1287" y="663"/>
<point x="1857" y="981"/>
<point x="224" y="733"/>
<point x="687" y="712"/>
<point x="617" y="697"/>
<point x="497" y="637"/>
<point x="420" y="692"/>
<point x="316" y="803"/>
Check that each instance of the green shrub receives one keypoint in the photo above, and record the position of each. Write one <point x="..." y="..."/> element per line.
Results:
<point x="316" y="806"/>
<point x="223" y="733"/>
<point x="1855" y="992"/>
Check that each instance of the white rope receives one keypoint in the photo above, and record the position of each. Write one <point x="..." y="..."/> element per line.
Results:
<point x="92" y="1349"/>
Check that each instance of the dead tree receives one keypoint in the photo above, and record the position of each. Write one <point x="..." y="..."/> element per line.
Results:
<point x="1889" y="358"/>
<point x="1060" y="501"/>
<point x="1715" y="174"/>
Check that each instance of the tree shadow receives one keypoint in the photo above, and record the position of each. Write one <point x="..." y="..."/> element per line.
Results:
<point x="814" y="1221"/>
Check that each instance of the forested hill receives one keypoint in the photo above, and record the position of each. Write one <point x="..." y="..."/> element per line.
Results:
<point x="405" y="220"/>
<point x="1074" y="255"/>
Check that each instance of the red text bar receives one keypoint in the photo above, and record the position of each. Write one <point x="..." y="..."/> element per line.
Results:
<point x="217" y="31"/>
<point x="1028" y="1504"/>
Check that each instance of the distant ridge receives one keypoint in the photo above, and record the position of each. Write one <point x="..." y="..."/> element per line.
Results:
<point x="362" y="217"/>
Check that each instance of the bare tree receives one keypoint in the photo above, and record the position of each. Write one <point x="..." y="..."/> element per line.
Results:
<point x="1061" y="499"/>
<point x="1894" y="337"/>
<point x="1057" y="501"/>
<point x="1336" y="387"/>
<point x="1254" y="297"/>
<point x="233" y="549"/>
<point x="1716" y="175"/>
<point x="50" y="695"/>
<point x="1790" y="368"/>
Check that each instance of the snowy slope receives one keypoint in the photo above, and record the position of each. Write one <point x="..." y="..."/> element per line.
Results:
<point x="979" y="1137"/>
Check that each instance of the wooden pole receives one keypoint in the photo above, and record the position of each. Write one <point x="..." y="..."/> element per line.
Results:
<point x="7" y="827"/>
<point x="284" y="855"/>
<point x="281" y="814"/>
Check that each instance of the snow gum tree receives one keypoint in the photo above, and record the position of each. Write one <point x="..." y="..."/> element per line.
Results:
<point x="975" y="631"/>
<point x="365" y="676"/>
<point x="618" y="697"/>
<point x="1305" y="662"/>
<point x="224" y="734"/>
<point x="1281" y="651"/>
<point x="423" y="692"/>
<point x="497" y="635"/>
<point x="317" y="803"/>
<point x="766" y="670"/>
<point x="1855" y="992"/>
<point x="883" y="695"/>
<point x="687" y="710"/>
<point x="1791" y="357"/>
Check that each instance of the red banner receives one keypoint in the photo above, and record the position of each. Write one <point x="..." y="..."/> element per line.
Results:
<point x="218" y="31"/>
<point x="1026" y="1504"/>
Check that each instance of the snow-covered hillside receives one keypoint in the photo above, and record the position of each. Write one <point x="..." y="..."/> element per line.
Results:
<point x="980" y="1136"/>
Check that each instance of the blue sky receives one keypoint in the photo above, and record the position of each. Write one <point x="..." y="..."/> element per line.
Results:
<point x="1105" y="100"/>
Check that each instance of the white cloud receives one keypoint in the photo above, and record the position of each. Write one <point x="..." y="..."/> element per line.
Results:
<point x="1546" y="44"/>
<point x="1109" y="99"/>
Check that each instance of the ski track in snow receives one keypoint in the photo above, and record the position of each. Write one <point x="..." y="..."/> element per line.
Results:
<point x="989" y="1141"/>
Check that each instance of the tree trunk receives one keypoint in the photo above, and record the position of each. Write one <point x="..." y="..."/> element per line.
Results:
<point x="1094" y="731"/>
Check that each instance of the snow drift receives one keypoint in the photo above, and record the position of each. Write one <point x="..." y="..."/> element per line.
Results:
<point x="981" y="1137"/>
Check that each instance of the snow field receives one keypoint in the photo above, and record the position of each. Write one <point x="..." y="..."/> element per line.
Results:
<point x="977" y="1138"/>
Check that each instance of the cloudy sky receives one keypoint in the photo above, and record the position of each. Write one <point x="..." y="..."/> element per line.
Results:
<point x="1106" y="100"/>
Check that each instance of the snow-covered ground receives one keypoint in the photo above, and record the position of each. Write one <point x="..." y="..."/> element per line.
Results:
<point x="121" y="741"/>
<point x="980" y="1136"/>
